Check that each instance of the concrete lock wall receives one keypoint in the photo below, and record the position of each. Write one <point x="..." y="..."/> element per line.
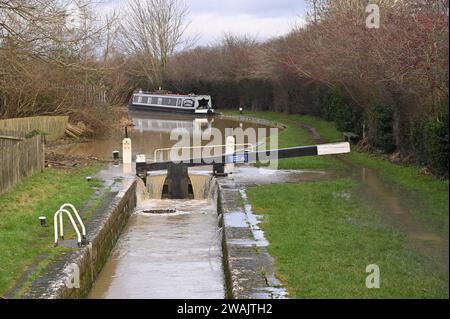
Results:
<point x="103" y="231"/>
<point x="249" y="268"/>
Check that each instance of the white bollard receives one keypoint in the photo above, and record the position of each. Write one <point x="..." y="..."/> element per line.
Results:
<point x="230" y="148"/>
<point x="126" y="151"/>
<point x="127" y="169"/>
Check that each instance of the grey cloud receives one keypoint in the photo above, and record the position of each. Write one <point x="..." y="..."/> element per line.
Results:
<point x="272" y="8"/>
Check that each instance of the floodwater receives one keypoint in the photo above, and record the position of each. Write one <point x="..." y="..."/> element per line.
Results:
<point x="152" y="131"/>
<point x="395" y="206"/>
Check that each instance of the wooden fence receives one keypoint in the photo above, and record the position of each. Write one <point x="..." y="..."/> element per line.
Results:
<point x="53" y="126"/>
<point x="20" y="159"/>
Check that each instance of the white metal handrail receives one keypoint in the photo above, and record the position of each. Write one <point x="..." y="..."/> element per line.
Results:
<point x="55" y="219"/>
<point x="80" y="236"/>
<point x="245" y="146"/>
<point x="80" y="221"/>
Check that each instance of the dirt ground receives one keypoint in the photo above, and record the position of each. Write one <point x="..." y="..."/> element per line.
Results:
<point x="56" y="158"/>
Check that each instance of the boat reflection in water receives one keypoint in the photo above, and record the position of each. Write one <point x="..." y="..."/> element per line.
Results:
<point x="193" y="126"/>
<point x="151" y="131"/>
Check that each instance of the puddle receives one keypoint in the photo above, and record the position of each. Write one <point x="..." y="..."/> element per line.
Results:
<point x="393" y="204"/>
<point x="254" y="221"/>
<point x="253" y="176"/>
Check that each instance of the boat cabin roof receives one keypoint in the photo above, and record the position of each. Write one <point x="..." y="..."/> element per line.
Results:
<point x="169" y="94"/>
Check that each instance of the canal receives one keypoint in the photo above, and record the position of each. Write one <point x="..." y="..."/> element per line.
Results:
<point x="177" y="252"/>
<point x="152" y="131"/>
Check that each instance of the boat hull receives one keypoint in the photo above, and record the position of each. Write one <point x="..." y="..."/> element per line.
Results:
<point x="170" y="109"/>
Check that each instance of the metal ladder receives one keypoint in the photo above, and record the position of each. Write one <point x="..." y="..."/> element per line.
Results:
<point x="81" y="237"/>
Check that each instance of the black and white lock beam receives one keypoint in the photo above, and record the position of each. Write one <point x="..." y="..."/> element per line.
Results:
<point x="249" y="157"/>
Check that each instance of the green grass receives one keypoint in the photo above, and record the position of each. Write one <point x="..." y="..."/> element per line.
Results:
<point x="323" y="243"/>
<point x="294" y="135"/>
<point x="21" y="237"/>
<point x="323" y="237"/>
<point x="431" y="192"/>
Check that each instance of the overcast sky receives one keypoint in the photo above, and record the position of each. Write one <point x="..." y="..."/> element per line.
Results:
<point x="263" y="19"/>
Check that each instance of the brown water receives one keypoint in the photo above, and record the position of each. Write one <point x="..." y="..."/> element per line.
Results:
<point x="173" y="255"/>
<point x="163" y="256"/>
<point x="152" y="131"/>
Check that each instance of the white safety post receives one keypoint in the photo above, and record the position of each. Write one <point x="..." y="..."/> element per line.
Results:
<point x="126" y="151"/>
<point x="127" y="169"/>
<point x="230" y="148"/>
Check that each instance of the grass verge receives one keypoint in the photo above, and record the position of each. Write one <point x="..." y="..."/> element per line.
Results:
<point x="431" y="192"/>
<point x="21" y="237"/>
<point x="323" y="237"/>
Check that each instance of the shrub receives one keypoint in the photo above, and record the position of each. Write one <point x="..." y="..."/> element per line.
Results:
<point x="418" y="143"/>
<point x="436" y="143"/>
<point x="381" y="131"/>
<point x="336" y="109"/>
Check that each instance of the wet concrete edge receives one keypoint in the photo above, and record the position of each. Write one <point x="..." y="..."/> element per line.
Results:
<point x="103" y="231"/>
<point x="254" y="120"/>
<point x="249" y="269"/>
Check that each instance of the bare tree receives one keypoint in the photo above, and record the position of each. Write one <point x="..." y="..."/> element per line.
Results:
<point x="317" y="8"/>
<point x="151" y="32"/>
<point x="55" y="57"/>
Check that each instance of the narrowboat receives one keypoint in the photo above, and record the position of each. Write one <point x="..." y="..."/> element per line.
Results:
<point x="169" y="102"/>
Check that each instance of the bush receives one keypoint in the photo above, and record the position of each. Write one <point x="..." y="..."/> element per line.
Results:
<point x="418" y="143"/>
<point x="436" y="143"/>
<point x="336" y="109"/>
<point x="381" y="128"/>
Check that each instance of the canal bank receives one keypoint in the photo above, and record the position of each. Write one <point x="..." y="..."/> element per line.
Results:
<point x="103" y="229"/>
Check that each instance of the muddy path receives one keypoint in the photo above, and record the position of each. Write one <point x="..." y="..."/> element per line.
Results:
<point x="394" y="205"/>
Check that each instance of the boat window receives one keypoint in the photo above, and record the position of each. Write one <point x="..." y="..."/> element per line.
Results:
<point x="140" y="99"/>
<point x="135" y="99"/>
<point x="145" y="100"/>
<point x="179" y="102"/>
<point x="160" y="100"/>
<point x="169" y="101"/>
<point x="154" y="100"/>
